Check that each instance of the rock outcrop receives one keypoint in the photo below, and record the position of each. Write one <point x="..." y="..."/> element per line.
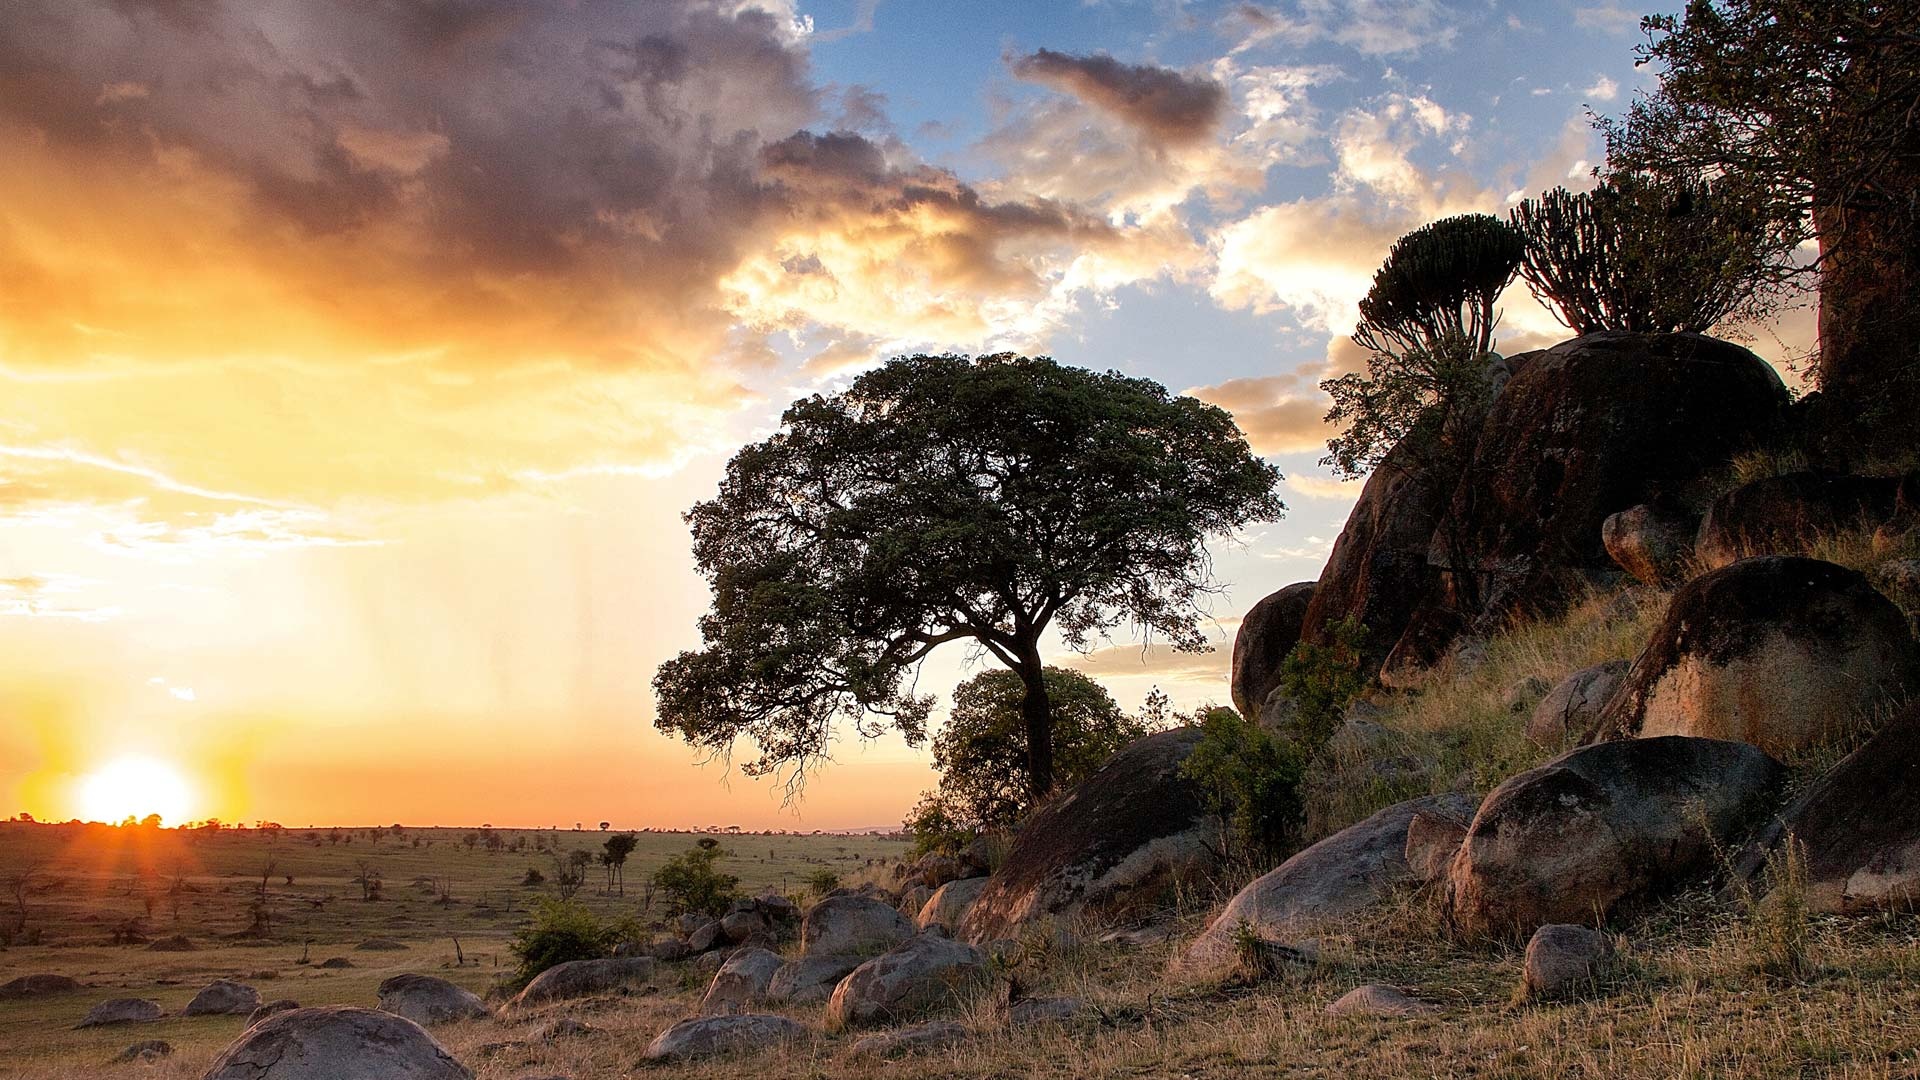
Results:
<point x="1112" y="841"/>
<point x="923" y="975"/>
<point x="332" y="1043"/>
<point x="224" y="997"/>
<point x="427" y="1000"/>
<point x="581" y="978"/>
<point x="1602" y="828"/>
<point x="1346" y="873"/>
<point x="1781" y="652"/>
<point x="1267" y="634"/>
<point x="810" y="978"/>
<point x="1786" y="515"/>
<point x="1653" y="543"/>
<point x="708" y="1036"/>
<point x="741" y="981"/>
<point x="949" y="904"/>
<point x="122" y="1011"/>
<point x="850" y="925"/>
<point x="29" y="986"/>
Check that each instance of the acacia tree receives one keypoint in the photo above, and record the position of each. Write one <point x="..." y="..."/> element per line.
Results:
<point x="1812" y="105"/>
<point x="981" y="752"/>
<point x="942" y="499"/>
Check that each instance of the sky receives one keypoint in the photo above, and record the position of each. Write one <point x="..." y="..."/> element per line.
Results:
<point x="358" y="359"/>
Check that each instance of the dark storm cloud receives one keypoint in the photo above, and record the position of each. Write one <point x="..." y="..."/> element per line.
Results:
<point x="1171" y="107"/>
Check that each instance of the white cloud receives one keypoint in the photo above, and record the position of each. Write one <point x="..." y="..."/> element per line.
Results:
<point x="1603" y="89"/>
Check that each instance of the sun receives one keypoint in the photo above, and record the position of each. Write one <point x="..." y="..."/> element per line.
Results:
<point x="135" y="787"/>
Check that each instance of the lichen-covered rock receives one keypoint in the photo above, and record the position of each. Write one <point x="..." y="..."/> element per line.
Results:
<point x="581" y="978"/>
<point x="122" y="1011"/>
<point x="708" y="1036"/>
<point x="223" y="997"/>
<point x="1572" y="709"/>
<point x="845" y="925"/>
<point x="1268" y="631"/>
<point x="1653" y="543"/>
<point x="1377" y="999"/>
<point x="740" y="981"/>
<point x="810" y="978"/>
<point x="429" y="1000"/>
<point x="912" y="1039"/>
<point x="949" y="903"/>
<point x="1564" y="960"/>
<point x="1113" y="841"/>
<point x="925" y="974"/>
<point x="1342" y="875"/>
<point x="336" y="1043"/>
<point x="1857" y="827"/>
<point x="1781" y="652"/>
<point x="1787" y="515"/>
<point x="1601" y="828"/>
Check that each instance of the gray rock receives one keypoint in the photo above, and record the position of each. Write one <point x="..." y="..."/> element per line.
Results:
<point x="29" y="986"/>
<point x="122" y="1011"/>
<point x="740" y="926"/>
<point x="335" y="963"/>
<point x="949" y="903"/>
<point x="223" y="997"/>
<point x="1433" y="836"/>
<point x="336" y="1043"/>
<point x="1563" y="960"/>
<point x="267" y="1009"/>
<point x="1653" y="543"/>
<point x="1601" y="828"/>
<point x="427" y="1000"/>
<point x="1377" y="999"/>
<point x="707" y="936"/>
<point x="810" y="978"/>
<point x="912" y="1039"/>
<point x="742" y="980"/>
<point x="1784" y="653"/>
<point x="145" y="1050"/>
<point x="565" y="1027"/>
<point x="709" y="962"/>
<point x="1572" y="709"/>
<point x="1346" y="873"/>
<point x="581" y="978"/>
<point x="925" y="974"/>
<point x="841" y="925"/>
<point x="1268" y="631"/>
<point x="708" y="1036"/>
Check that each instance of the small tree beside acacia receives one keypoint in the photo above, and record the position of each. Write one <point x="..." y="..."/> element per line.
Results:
<point x="939" y="499"/>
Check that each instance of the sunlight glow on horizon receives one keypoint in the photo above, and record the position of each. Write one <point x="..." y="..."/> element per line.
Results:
<point x="135" y="787"/>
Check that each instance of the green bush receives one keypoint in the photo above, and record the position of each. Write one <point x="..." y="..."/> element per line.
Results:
<point x="935" y="826"/>
<point x="1322" y="680"/>
<point x="822" y="881"/>
<point x="564" y="930"/>
<point x="1251" y="780"/>
<point x="691" y="883"/>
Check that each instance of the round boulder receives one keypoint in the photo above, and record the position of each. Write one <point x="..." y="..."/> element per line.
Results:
<point x="337" y="1043"/>
<point x="710" y="1035"/>
<point x="1268" y="632"/>
<point x="925" y="974"/>
<point x="122" y="1011"/>
<point x="582" y="978"/>
<point x="912" y="1039"/>
<point x="743" y="979"/>
<point x="1564" y="960"/>
<point x="1653" y="543"/>
<point x="1782" y="652"/>
<point x="223" y="997"/>
<point x="742" y="926"/>
<point x="810" y="978"/>
<point x="1572" y="708"/>
<point x="1786" y="515"/>
<point x="27" y="986"/>
<point x="840" y="925"/>
<point x="949" y="903"/>
<point x="1601" y="828"/>
<point x="1378" y="999"/>
<point x="427" y="1000"/>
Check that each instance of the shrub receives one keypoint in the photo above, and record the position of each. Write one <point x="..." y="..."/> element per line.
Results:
<point x="691" y="883"/>
<point x="1440" y="281"/>
<point x="935" y="826"/>
<point x="822" y="881"/>
<point x="1648" y="255"/>
<point x="1322" y="680"/>
<point x="1251" y="780"/>
<point x="564" y="930"/>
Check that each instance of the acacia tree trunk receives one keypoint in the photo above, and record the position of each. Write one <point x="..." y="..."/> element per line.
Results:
<point x="1037" y="711"/>
<point x="1869" y="367"/>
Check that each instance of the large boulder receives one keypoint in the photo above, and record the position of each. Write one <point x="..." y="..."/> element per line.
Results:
<point x="1602" y="828"/>
<point x="122" y="1011"/>
<point x="1572" y="709"/>
<point x="740" y="981"/>
<point x="810" y="978"/>
<point x="1346" y="873"/>
<point x="1653" y="543"/>
<point x="925" y="974"/>
<point x="27" y="986"/>
<point x="336" y="1043"/>
<point x="1268" y="632"/>
<point x="1582" y="431"/>
<point x="1378" y="1000"/>
<point x="1857" y="827"/>
<point x="1782" y="652"/>
<point x="1786" y="515"/>
<point x="949" y="903"/>
<point x="224" y="997"/>
<point x="1563" y="960"/>
<point x="850" y="924"/>
<point x="583" y="978"/>
<point x="1114" y="840"/>
<point x="428" y="1000"/>
<point x="707" y="1036"/>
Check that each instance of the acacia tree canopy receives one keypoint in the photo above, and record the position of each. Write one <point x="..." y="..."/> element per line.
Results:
<point x="941" y="499"/>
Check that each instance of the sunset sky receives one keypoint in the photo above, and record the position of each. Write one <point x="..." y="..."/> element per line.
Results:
<point x="360" y="356"/>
